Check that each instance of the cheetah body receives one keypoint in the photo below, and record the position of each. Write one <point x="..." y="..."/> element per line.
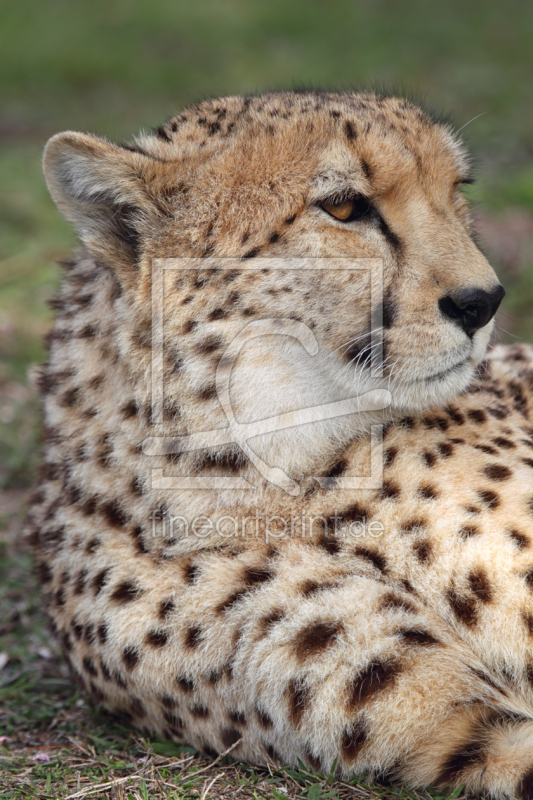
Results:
<point x="389" y="628"/>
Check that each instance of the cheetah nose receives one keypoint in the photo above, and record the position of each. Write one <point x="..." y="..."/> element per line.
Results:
<point x="471" y="309"/>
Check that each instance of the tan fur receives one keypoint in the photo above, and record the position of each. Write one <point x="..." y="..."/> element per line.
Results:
<point x="402" y="649"/>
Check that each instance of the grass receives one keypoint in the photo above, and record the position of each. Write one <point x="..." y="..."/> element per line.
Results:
<point x="115" y="67"/>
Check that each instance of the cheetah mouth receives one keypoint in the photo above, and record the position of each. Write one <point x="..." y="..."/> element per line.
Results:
<point x="443" y="374"/>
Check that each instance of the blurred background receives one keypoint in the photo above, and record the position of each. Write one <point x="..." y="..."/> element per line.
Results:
<point x="113" y="67"/>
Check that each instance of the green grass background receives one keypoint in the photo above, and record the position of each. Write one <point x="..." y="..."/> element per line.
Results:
<point x="113" y="67"/>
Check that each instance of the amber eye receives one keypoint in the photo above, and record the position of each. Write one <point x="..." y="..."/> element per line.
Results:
<point x="339" y="210"/>
<point x="347" y="210"/>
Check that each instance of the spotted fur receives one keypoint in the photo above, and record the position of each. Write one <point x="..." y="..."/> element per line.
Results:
<point x="403" y="648"/>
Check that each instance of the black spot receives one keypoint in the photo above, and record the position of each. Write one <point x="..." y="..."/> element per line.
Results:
<point x="311" y="587"/>
<point x="99" y="580"/>
<point x="167" y="701"/>
<point x="252" y="577"/>
<point x="125" y="592"/>
<point x="329" y="545"/>
<point x="413" y="525"/>
<point x="480" y="585"/>
<point x="376" y="678"/>
<point x="88" y="666"/>
<point x="313" y="761"/>
<point x="264" y="719"/>
<point x="102" y="632"/>
<point x="299" y="698"/>
<point x="273" y="754"/>
<point x="88" y="508"/>
<point x="92" y="545"/>
<point x="252" y="253"/>
<point x="238" y="717"/>
<point x="79" y="582"/>
<point x="469" y="754"/>
<point x="210" y="344"/>
<point x="355" y="513"/>
<point x="528" y="577"/>
<point x="191" y="572"/>
<point x="456" y="415"/>
<point x="429" y="458"/>
<point x="208" y="392"/>
<point x="499" y="412"/>
<point x="115" y="514"/>
<point x="428" y="492"/>
<point x="186" y="684"/>
<point x="497" y="472"/>
<point x="349" y="130"/>
<point x="519" y="538"/>
<point x="156" y="638"/>
<point x="130" y="657"/>
<point x="199" y="711"/>
<point x="528" y="621"/>
<point x="432" y="423"/>
<point x="209" y="751"/>
<point x="316" y="638"/>
<point x="70" y="398"/>
<point x="161" y="133"/>
<point x="477" y="415"/>
<point x="338" y="468"/>
<point x="45" y="576"/>
<point x="193" y="637"/>
<point x="353" y="739"/>
<point x="394" y="602"/>
<point x="464" y="608"/>
<point x="226" y="458"/>
<point x="129" y="410"/>
<point x="290" y="219"/>
<point x="230" y="736"/>
<point x="417" y="636"/>
<point x="137" y="536"/>
<point x="469" y="531"/>
<point x="423" y="551"/>
<point x="525" y="787"/>
<point x="390" y="456"/>
<point x="267" y="622"/>
<point x="389" y="491"/>
<point x="375" y="558"/>
<point x="360" y="351"/>
<point x="489" y="497"/>
<point x="506" y="444"/>
<point x="217" y="313"/>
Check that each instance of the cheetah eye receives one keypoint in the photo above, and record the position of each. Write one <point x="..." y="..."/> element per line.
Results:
<point x="347" y="210"/>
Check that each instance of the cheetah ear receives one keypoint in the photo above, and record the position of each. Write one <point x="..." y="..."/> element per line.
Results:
<point x="103" y="190"/>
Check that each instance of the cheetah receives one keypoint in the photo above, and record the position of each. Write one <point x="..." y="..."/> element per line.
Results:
<point x="252" y="597"/>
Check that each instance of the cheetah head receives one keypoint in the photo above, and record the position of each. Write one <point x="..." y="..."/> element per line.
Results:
<point x="324" y="178"/>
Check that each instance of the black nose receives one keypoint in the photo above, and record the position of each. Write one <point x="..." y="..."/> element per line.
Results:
<point x="471" y="309"/>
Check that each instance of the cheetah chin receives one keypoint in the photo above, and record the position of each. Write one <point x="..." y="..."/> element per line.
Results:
<point x="383" y="624"/>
